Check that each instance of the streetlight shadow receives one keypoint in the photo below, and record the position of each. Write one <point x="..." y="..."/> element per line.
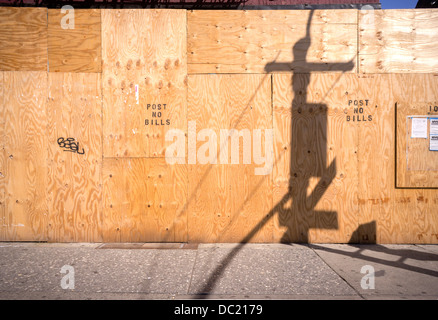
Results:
<point x="308" y="159"/>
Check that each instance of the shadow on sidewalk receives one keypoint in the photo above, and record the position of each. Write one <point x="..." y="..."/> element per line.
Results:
<point x="308" y="158"/>
<point x="375" y="250"/>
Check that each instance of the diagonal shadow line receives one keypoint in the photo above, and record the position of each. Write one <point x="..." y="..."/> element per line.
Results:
<point x="198" y="186"/>
<point x="219" y="270"/>
<point x="321" y="183"/>
<point x="396" y="264"/>
<point x="201" y="181"/>
<point x="252" y="193"/>
<point x="316" y="195"/>
<point x="217" y="273"/>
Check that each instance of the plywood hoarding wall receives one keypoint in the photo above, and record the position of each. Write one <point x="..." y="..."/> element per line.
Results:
<point x="86" y="114"/>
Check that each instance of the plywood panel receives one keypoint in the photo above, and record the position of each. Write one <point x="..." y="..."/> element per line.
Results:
<point x="424" y="221"/>
<point x="144" y="200"/>
<point x="376" y="156"/>
<point x="2" y="160"/>
<point x="416" y="165"/>
<point x="357" y="133"/>
<point x="398" y="215"/>
<point x="315" y="173"/>
<point x="413" y="220"/>
<point x="247" y="41"/>
<point x="432" y="218"/>
<point x="74" y="179"/>
<point x="398" y="227"/>
<point x="144" y="48"/>
<point x="23" y="39"/>
<point x="339" y="149"/>
<point x="398" y="41"/>
<point x="420" y="225"/>
<point x="228" y="202"/>
<point x="78" y="49"/>
<point x="24" y="113"/>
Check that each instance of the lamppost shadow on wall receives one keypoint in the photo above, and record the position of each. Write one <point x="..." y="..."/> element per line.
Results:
<point x="312" y="119"/>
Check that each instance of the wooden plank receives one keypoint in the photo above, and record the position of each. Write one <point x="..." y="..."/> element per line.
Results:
<point x="398" y="41"/>
<point x="25" y="95"/>
<point x="247" y="41"/>
<point x="424" y="227"/>
<point x="432" y="196"/>
<point x="400" y="216"/>
<point x="144" y="48"/>
<point x="229" y="202"/>
<point x="74" y="176"/>
<point x="315" y="172"/>
<point x="2" y="160"/>
<point x="416" y="165"/>
<point x="398" y="227"/>
<point x="336" y="175"/>
<point x="419" y="227"/>
<point x="375" y="155"/>
<point x="415" y="94"/>
<point x="411" y="219"/>
<point x="369" y="209"/>
<point x="113" y="203"/>
<point x="78" y="49"/>
<point x="144" y="200"/>
<point x="23" y="39"/>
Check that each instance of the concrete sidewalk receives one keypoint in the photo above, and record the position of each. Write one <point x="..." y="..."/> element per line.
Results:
<point x="218" y="271"/>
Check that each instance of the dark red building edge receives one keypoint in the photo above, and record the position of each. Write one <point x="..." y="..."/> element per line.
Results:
<point x="198" y="4"/>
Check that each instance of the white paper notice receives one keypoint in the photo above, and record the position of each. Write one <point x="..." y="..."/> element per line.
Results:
<point x="419" y="128"/>
<point x="433" y="142"/>
<point x="433" y="125"/>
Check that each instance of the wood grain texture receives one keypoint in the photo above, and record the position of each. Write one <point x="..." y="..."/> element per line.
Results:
<point x="23" y="39"/>
<point x="424" y="227"/>
<point x="340" y="171"/>
<point x="78" y="49"/>
<point x="228" y="201"/>
<point x="416" y="165"/>
<point x="376" y="156"/>
<point x="398" y="226"/>
<point x="315" y="173"/>
<point x="398" y="41"/>
<point x="246" y="41"/>
<point x="25" y="150"/>
<point x="74" y="179"/>
<point x="145" y="48"/>
<point x="2" y="160"/>
<point x="431" y="234"/>
<point x="144" y="200"/>
<point x="367" y="206"/>
<point x="395" y="215"/>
